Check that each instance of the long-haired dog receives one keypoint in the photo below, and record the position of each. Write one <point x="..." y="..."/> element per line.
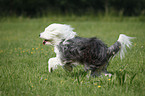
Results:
<point x="72" y="50"/>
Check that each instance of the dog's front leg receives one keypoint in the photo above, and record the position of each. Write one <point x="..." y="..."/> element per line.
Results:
<point x="53" y="63"/>
<point x="68" y="67"/>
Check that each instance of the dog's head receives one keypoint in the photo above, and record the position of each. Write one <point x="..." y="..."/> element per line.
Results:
<point x="54" y="34"/>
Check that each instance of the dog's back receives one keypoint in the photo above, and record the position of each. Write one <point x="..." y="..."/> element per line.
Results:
<point x="90" y="51"/>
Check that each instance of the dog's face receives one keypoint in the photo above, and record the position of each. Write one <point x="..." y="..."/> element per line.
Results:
<point x="51" y="34"/>
<point x="54" y="33"/>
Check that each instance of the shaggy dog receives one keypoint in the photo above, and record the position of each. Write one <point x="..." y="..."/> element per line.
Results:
<point x="72" y="50"/>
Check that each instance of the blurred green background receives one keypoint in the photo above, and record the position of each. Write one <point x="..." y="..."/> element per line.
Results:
<point x="37" y="8"/>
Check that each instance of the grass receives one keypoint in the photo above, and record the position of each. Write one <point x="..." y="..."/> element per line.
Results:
<point x="23" y="59"/>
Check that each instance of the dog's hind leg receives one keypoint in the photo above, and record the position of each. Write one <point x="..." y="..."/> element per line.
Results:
<point x="104" y="70"/>
<point x="99" y="70"/>
<point x="96" y="72"/>
<point x="86" y="67"/>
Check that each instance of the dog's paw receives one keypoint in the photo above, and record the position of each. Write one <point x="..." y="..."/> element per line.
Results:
<point x="108" y="74"/>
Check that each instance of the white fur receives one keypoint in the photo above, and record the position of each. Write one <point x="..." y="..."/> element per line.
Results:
<point x="125" y="41"/>
<point x="53" y="63"/>
<point x="55" y="33"/>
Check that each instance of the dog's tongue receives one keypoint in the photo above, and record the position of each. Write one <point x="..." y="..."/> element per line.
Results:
<point x="44" y="42"/>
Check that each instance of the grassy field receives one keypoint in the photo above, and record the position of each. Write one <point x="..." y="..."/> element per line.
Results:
<point x="23" y="60"/>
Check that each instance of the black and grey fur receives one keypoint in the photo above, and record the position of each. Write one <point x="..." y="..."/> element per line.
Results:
<point x="90" y="52"/>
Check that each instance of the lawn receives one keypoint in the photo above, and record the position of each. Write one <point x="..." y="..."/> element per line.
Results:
<point x="23" y="59"/>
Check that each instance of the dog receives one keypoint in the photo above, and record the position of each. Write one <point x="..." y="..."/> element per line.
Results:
<point x="73" y="50"/>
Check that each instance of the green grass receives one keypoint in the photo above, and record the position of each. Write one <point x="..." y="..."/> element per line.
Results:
<point x="23" y="59"/>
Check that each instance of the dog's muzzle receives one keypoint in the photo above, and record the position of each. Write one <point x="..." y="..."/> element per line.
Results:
<point x="46" y="42"/>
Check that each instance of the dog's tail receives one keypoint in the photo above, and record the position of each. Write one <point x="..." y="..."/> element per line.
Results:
<point x="120" y="46"/>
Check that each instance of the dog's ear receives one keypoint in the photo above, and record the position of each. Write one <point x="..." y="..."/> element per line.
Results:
<point x="57" y="34"/>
